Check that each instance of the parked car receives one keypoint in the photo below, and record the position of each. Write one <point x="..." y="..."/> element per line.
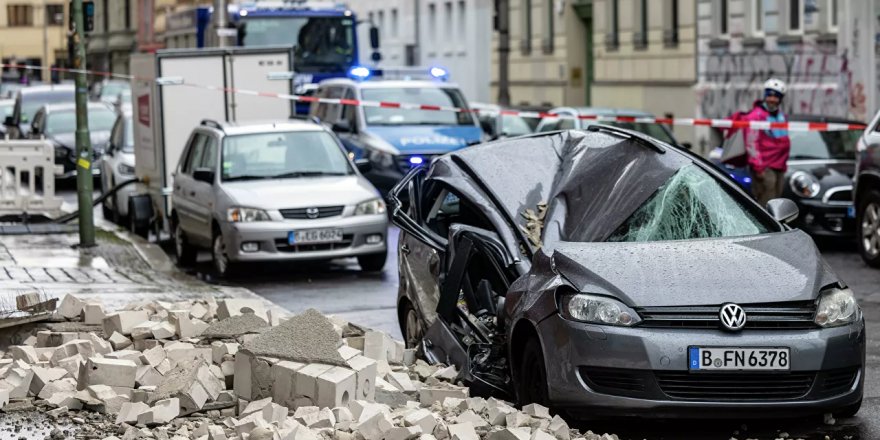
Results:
<point x="497" y="125"/>
<point x="867" y="193"/>
<point x="279" y="191"/>
<point x="572" y="274"/>
<point x="117" y="166"/>
<point x="28" y="101"/>
<point x="109" y="90"/>
<point x="657" y="131"/>
<point x="6" y="107"/>
<point x="394" y="139"/>
<point x="821" y="167"/>
<point x="57" y="122"/>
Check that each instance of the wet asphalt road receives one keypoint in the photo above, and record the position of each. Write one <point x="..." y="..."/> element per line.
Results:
<point x="369" y="299"/>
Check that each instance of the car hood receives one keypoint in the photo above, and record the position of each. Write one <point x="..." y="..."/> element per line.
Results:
<point x="99" y="139"/>
<point x="427" y="139"/>
<point x="300" y="192"/>
<point x="777" y="267"/>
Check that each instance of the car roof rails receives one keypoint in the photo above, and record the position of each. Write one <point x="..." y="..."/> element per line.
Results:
<point x="212" y="123"/>
<point x="639" y="138"/>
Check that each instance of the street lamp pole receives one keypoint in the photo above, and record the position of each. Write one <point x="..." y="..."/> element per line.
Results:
<point x="83" y="142"/>
<point x="47" y="75"/>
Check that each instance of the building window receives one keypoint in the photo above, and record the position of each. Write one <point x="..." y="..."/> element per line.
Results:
<point x="670" y="23"/>
<point x="432" y="21"/>
<point x="640" y="36"/>
<point x="105" y="10"/>
<point x="756" y="17"/>
<point x="833" y="11"/>
<point x="795" y="17"/>
<point x="381" y="19"/>
<point x="19" y="15"/>
<point x="55" y="15"/>
<point x="127" y="14"/>
<point x="447" y="22"/>
<point x="394" y="23"/>
<point x="612" y="40"/>
<point x="462" y="21"/>
<point x="525" y="43"/>
<point x="723" y="18"/>
<point x="547" y="42"/>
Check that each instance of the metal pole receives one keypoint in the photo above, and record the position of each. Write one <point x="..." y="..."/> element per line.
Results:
<point x="47" y="75"/>
<point x="221" y="23"/>
<point x="83" y="142"/>
<point x="503" y="13"/>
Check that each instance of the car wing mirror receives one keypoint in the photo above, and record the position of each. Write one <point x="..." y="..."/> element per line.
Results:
<point x="783" y="210"/>
<point x="363" y="165"/>
<point x="204" y="175"/>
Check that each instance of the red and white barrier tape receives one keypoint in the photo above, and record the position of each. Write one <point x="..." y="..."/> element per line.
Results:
<point x="686" y="122"/>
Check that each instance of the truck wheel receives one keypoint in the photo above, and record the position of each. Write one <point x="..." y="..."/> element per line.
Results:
<point x="186" y="253"/>
<point x="222" y="266"/>
<point x="372" y="263"/>
<point x="532" y="377"/>
<point x="868" y="228"/>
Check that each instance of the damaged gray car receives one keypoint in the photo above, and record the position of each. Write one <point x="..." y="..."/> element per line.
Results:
<point x="603" y="272"/>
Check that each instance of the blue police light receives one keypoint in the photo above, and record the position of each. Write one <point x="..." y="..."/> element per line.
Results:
<point x="747" y="179"/>
<point x="416" y="160"/>
<point x="438" y="72"/>
<point x="359" y="72"/>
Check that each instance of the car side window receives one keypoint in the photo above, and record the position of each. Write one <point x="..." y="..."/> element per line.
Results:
<point x="209" y="157"/>
<point x="195" y="154"/>
<point x="448" y="208"/>
<point x="334" y="111"/>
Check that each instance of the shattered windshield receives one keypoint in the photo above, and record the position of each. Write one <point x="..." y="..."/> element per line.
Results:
<point x="690" y="205"/>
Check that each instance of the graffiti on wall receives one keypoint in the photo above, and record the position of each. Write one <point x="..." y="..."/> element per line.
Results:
<point x="819" y="82"/>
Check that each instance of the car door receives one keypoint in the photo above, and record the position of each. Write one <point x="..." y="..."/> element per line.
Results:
<point x="203" y="192"/>
<point x="184" y="191"/>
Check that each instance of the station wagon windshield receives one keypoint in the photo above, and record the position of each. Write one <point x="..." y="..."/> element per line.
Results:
<point x="282" y="155"/>
<point x="443" y="97"/>
<point x="65" y="122"/>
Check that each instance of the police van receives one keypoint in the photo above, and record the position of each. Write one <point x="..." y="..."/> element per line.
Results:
<point x="396" y="139"/>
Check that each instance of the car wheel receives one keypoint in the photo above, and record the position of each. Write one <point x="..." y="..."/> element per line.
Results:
<point x="849" y="411"/>
<point x="186" y="253"/>
<point x="372" y="263"/>
<point x="222" y="266"/>
<point x="532" y="380"/>
<point x="411" y="325"/>
<point x="868" y="224"/>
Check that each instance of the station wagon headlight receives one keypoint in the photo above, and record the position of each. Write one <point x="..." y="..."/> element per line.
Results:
<point x="236" y="215"/>
<point x="127" y="170"/>
<point x="597" y="310"/>
<point x="370" y="207"/>
<point x="804" y="184"/>
<point x="837" y="307"/>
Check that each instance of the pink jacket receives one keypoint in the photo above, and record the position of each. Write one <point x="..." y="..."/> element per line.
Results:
<point x="764" y="148"/>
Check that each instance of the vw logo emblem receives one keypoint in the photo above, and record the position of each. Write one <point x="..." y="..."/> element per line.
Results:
<point x="312" y="212"/>
<point x="733" y="317"/>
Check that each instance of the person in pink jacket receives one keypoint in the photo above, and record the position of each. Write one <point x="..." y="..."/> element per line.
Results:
<point x="767" y="150"/>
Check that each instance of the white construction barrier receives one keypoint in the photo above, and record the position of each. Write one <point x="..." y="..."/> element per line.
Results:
<point x="27" y="178"/>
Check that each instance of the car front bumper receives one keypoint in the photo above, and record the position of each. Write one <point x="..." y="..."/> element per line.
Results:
<point x="826" y="220"/>
<point x="272" y="239"/>
<point x="644" y="371"/>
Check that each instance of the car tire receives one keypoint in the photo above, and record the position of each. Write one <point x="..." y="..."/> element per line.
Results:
<point x="849" y="410"/>
<point x="531" y="386"/>
<point x="222" y="266"/>
<point x="186" y="253"/>
<point x="372" y="263"/>
<point x="410" y="325"/>
<point x="868" y="227"/>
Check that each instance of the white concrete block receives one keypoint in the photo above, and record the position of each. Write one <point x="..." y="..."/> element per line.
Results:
<point x="93" y="314"/>
<point x="429" y="395"/>
<point x="178" y="352"/>
<point x="164" y="330"/>
<point x="255" y="406"/>
<point x="164" y="367"/>
<point x="42" y="376"/>
<point x="423" y="418"/>
<point x="193" y="397"/>
<point x="559" y="428"/>
<point x="70" y="307"/>
<point x="274" y="413"/>
<point x="103" y="371"/>
<point x="376" y="426"/>
<point x="153" y="356"/>
<point x="348" y="352"/>
<point x="462" y="431"/>
<point x="130" y="411"/>
<point x="220" y="349"/>
<point x="183" y="325"/>
<point x="162" y="411"/>
<point x="119" y="341"/>
<point x="405" y="433"/>
<point x="378" y="346"/>
<point x="211" y="383"/>
<point x="401" y="381"/>
<point x="198" y="311"/>
<point x="472" y="418"/>
<point x="147" y="376"/>
<point x="143" y="330"/>
<point x="216" y="432"/>
<point x="283" y="382"/>
<point x="64" y="398"/>
<point x="18" y="381"/>
<point x="99" y="345"/>
<point x="126" y="355"/>
<point x="541" y="435"/>
<point x="511" y="434"/>
<point x="306" y="382"/>
<point x="233" y="307"/>
<point x="71" y="364"/>
<point x="448" y="374"/>
<point x="518" y="420"/>
<point x="365" y="372"/>
<point x="123" y="322"/>
<point x="336" y="387"/>
<point x="24" y="353"/>
<point x="57" y="387"/>
<point x="497" y="412"/>
<point x="537" y="411"/>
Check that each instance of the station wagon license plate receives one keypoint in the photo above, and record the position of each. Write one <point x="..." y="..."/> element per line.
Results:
<point x="308" y="236"/>
<point x="739" y="359"/>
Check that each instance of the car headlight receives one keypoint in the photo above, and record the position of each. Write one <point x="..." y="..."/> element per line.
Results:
<point x="381" y="159"/>
<point x="236" y="215"/>
<point x="370" y="207"/>
<point x="597" y="310"/>
<point x="837" y="307"/>
<point x="127" y="170"/>
<point x="804" y="184"/>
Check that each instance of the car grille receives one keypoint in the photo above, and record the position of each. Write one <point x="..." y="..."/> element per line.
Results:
<point x="838" y="381"/>
<point x="843" y="195"/>
<point x="405" y="165"/>
<point x="302" y="213"/>
<point x="615" y="381"/>
<point x="734" y="386"/>
<point x="281" y="245"/>
<point x="784" y="316"/>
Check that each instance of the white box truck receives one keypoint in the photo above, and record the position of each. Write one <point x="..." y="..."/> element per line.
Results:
<point x="171" y="95"/>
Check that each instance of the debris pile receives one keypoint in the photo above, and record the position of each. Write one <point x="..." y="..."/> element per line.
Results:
<point x="230" y="370"/>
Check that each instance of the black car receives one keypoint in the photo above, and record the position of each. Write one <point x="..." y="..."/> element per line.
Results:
<point x="57" y="123"/>
<point x="867" y="193"/>
<point x="604" y="271"/>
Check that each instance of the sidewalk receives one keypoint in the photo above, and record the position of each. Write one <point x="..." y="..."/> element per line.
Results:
<point x="120" y="270"/>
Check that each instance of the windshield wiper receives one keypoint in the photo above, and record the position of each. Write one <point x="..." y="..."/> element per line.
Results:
<point x="307" y="174"/>
<point x="805" y="157"/>
<point x="245" y="177"/>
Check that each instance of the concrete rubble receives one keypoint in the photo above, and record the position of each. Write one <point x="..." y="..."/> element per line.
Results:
<point x="228" y="370"/>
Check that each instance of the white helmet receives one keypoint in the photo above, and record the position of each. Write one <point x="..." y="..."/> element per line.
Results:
<point x="777" y="85"/>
